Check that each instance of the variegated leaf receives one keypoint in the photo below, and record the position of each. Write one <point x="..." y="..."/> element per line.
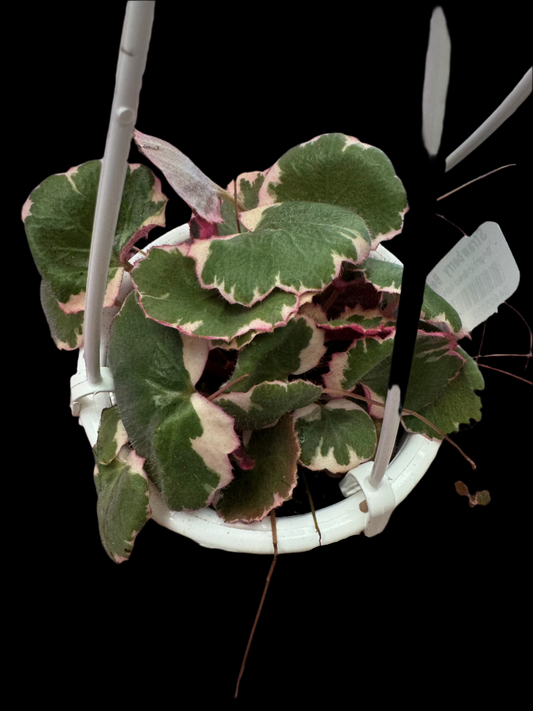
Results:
<point x="185" y="438"/>
<point x="248" y="186"/>
<point x="337" y="436"/>
<point x="123" y="504"/>
<point x="112" y="436"/>
<point x="267" y="402"/>
<point x="170" y="294"/>
<point x="199" y="192"/>
<point x="151" y="380"/>
<point x="58" y="218"/>
<point x="348" y="368"/>
<point x="340" y="170"/>
<point x="296" y="246"/>
<point x="65" y="329"/>
<point x="387" y="276"/>
<point x="458" y="404"/>
<point x="191" y="448"/>
<point x="290" y="350"/>
<point x="364" y="322"/>
<point x="253" y="493"/>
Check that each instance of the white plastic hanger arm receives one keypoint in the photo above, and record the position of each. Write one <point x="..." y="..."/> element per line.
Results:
<point x="130" y="68"/>
<point x="518" y="95"/>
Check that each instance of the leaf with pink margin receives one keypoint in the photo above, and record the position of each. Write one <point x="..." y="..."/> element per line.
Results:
<point x="266" y="402"/>
<point x="58" y="219"/>
<point x="184" y="437"/>
<point x="387" y="277"/>
<point x="369" y="322"/>
<point x="65" y="329"/>
<point x="194" y="187"/>
<point x="295" y="246"/>
<point x="292" y="349"/>
<point x="336" y="436"/>
<point x="123" y="505"/>
<point x="122" y="486"/>
<point x="340" y="170"/>
<point x="170" y="294"/>
<point x="254" y="493"/>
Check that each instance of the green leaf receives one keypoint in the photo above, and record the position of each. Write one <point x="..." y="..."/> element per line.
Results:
<point x="191" y="447"/>
<point x="290" y="350"/>
<point x="58" y="218"/>
<point x="369" y="322"/>
<point x="170" y="294"/>
<point x="368" y="362"/>
<point x="458" y="403"/>
<point x="65" y="329"/>
<point x="337" y="436"/>
<point x="347" y="368"/>
<point x="387" y="276"/>
<point x="253" y="493"/>
<point x="123" y="504"/>
<point x="151" y="380"/>
<point x="112" y="436"/>
<point x="296" y="246"/>
<point x="267" y="402"/>
<point x="184" y="437"/>
<point x="340" y="170"/>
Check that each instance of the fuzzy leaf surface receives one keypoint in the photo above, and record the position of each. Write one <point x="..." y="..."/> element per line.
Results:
<point x="253" y="493"/>
<point x="340" y="170"/>
<point x="170" y="293"/>
<point x="184" y="437"/>
<point x="337" y="436"/>
<point x="368" y="361"/>
<point x="457" y="405"/>
<point x="65" y="329"/>
<point x="296" y="246"/>
<point x="289" y="350"/>
<point x="199" y="192"/>
<point x="191" y="448"/>
<point x="267" y="402"/>
<point x="58" y="218"/>
<point x="112" y="436"/>
<point x="387" y="276"/>
<point x="123" y="505"/>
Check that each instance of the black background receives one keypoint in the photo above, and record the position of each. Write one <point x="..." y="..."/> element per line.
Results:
<point x="438" y="596"/>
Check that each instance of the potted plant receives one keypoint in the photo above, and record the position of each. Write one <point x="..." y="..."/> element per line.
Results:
<point x="257" y="349"/>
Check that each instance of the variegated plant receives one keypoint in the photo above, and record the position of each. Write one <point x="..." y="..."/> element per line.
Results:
<point x="237" y="355"/>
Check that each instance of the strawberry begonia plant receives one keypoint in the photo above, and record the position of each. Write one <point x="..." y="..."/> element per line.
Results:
<point x="236" y="354"/>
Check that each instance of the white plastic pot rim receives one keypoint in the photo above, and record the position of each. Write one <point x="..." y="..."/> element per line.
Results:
<point x="294" y="533"/>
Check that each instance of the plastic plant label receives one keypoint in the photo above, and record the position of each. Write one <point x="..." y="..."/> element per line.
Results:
<point x="477" y="275"/>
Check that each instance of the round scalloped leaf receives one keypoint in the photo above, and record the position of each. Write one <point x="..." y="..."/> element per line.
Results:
<point x="347" y="368"/>
<point x="149" y="371"/>
<point x="296" y="246"/>
<point x="267" y="402"/>
<point x="253" y="493"/>
<point x="65" y="329"/>
<point x="337" y="436"/>
<point x="340" y="170"/>
<point x="387" y="276"/>
<point x="58" y="218"/>
<point x="191" y="448"/>
<point x="123" y="504"/>
<point x="170" y="294"/>
<point x="458" y="404"/>
<point x="290" y="350"/>
<point x="368" y="362"/>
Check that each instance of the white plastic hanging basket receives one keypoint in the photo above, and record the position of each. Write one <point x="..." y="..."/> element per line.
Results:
<point x="294" y="533"/>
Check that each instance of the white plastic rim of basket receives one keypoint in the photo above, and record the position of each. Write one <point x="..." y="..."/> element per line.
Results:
<point x="294" y="533"/>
